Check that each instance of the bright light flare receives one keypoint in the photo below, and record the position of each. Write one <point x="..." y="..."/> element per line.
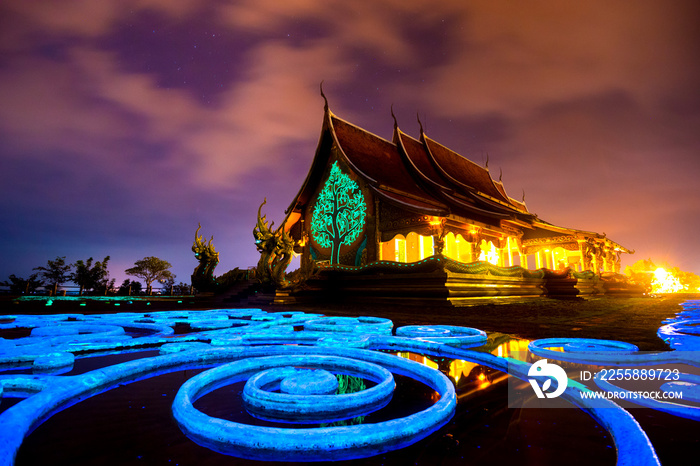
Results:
<point x="665" y="282"/>
<point x="490" y="255"/>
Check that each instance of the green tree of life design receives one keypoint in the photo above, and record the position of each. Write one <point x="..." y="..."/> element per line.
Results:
<point x="339" y="213"/>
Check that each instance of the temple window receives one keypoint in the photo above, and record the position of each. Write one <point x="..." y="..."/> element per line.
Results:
<point x="450" y="246"/>
<point x="412" y="248"/>
<point x="399" y="249"/>
<point x="418" y="247"/>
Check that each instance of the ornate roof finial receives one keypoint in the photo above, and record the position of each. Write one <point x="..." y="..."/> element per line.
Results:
<point x="487" y="161"/>
<point x="523" y="195"/>
<point x="396" y="125"/>
<point x="419" y="123"/>
<point x="500" y="177"/>
<point x="325" y="106"/>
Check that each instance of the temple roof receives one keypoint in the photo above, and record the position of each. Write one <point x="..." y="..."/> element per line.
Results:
<point x="420" y="175"/>
<point x="423" y="176"/>
<point x="544" y="230"/>
<point x="379" y="163"/>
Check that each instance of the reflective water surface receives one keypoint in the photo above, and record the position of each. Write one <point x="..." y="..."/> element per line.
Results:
<point x="133" y="414"/>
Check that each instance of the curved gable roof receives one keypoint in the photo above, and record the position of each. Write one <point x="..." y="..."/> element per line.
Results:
<point x="378" y="161"/>
<point x="420" y="175"/>
<point x="420" y="160"/>
<point x="463" y="171"/>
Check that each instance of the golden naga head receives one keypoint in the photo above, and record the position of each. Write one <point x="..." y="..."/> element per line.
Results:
<point x="202" y="249"/>
<point x="262" y="232"/>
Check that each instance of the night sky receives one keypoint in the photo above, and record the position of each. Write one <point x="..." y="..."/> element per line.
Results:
<point x="125" y="123"/>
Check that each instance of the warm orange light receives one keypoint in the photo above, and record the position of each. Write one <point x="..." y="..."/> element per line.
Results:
<point x="490" y="255"/>
<point x="665" y="282"/>
<point x="435" y="221"/>
<point x="481" y="376"/>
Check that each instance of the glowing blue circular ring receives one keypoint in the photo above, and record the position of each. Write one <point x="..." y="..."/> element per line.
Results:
<point x="691" y="391"/>
<point x="145" y="320"/>
<point x="682" y="334"/>
<point x="345" y="341"/>
<point x="53" y="362"/>
<point x="170" y="348"/>
<point x="227" y="340"/>
<point x="580" y="349"/>
<point x="77" y="330"/>
<point x="7" y="345"/>
<point x="311" y="444"/>
<point x="211" y="324"/>
<point x="366" y="325"/>
<point x="308" y="382"/>
<point x="264" y="403"/>
<point x="687" y="326"/>
<point x="686" y="382"/>
<point x="265" y="317"/>
<point x="445" y="334"/>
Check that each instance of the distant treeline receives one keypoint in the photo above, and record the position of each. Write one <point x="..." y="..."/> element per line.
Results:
<point x="92" y="277"/>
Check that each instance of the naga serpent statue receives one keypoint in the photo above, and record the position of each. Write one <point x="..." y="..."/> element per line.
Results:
<point x="276" y="251"/>
<point x="203" y="275"/>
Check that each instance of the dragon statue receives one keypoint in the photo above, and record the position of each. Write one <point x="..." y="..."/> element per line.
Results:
<point x="276" y="249"/>
<point x="203" y="275"/>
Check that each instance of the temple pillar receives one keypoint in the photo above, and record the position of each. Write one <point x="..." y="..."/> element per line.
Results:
<point x="510" y="252"/>
<point x="476" y="250"/>
<point x="523" y="260"/>
<point x="377" y="233"/>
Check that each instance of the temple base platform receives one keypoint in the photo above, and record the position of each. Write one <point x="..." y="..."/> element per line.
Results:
<point x="439" y="280"/>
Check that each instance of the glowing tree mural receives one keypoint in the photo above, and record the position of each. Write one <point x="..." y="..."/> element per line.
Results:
<point x="339" y="213"/>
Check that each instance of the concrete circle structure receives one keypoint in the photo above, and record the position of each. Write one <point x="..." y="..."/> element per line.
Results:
<point x="364" y="325"/>
<point x="445" y="334"/>
<point x="262" y="401"/>
<point x="308" y="382"/>
<point x="302" y="353"/>
<point x="311" y="444"/>
<point x="584" y="350"/>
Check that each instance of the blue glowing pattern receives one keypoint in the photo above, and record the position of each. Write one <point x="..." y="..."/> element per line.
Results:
<point x="289" y="362"/>
<point x="678" y="332"/>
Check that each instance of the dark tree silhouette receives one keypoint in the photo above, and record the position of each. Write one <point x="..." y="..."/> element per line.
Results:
<point x="150" y="269"/>
<point x="89" y="276"/>
<point x="19" y="285"/>
<point x="56" y="272"/>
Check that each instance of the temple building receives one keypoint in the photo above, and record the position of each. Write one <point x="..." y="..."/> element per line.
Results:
<point x="370" y="204"/>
